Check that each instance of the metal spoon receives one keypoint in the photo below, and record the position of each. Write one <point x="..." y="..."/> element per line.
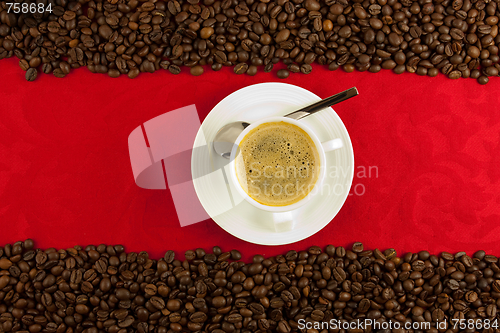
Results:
<point x="227" y="135"/>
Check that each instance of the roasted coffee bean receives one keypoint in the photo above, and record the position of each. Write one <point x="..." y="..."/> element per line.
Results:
<point x="483" y="79"/>
<point x="31" y="74"/>
<point x="174" y="69"/>
<point x="357" y="247"/>
<point x="282" y="36"/>
<point x="489" y="71"/>
<point x="169" y="256"/>
<point x="294" y="68"/>
<point x="24" y="64"/>
<point x="269" y="67"/>
<point x="235" y="255"/>
<point x="283" y="73"/>
<point x="339" y="274"/>
<point x="157" y="302"/>
<point x="241" y="68"/>
<point x="268" y="294"/>
<point x="129" y="39"/>
<point x="306" y="68"/>
<point x="150" y="289"/>
<point x="283" y="325"/>
<point x="252" y="70"/>
<point x="234" y="318"/>
<point x="47" y="68"/>
<point x="220" y="57"/>
<point x="256" y="308"/>
<point x="198" y="317"/>
<point x="333" y="66"/>
<point x="195" y="71"/>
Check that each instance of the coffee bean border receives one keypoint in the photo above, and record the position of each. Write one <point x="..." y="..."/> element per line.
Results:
<point x="97" y="289"/>
<point x="456" y="37"/>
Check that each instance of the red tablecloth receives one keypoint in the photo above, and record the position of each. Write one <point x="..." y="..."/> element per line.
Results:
<point x="432" y="145"/>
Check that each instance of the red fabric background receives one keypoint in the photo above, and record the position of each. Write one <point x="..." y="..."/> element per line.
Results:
<point x="65" y="175"/>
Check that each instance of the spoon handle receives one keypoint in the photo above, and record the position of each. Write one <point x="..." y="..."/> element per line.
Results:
<point x="324" y="103"/>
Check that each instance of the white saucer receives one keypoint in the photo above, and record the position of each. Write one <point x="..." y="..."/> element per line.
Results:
<point x="243" y="220"/>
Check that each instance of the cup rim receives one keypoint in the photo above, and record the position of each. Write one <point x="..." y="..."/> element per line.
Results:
<point x="287" y="208"/>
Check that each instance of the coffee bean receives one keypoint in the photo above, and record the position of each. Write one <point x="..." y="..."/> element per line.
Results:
<point x="483" y="80"/>
<point x="339" y="274"/>
<point x="174" y="317"/>
<point x="294" y="68"/>
<point x="4" y="281"/>
<point x="256" y="299"/>
<point x="198" y="317"/>
<point x="133" y="73"/>
<point x="283" y="326"/>
<point x="129" y="39"/>
<point x="491" y="310"/>
<point x="283" y="73"/>
<point x="220" y="57"/>
<point x="174" y="69"/>
<point x="235" y="255"/>
<point x="491" y="71"/>
<point x="253" y="39"/>
<point x="357" y="247"/>
<point x="150" y="289"/>
<point x="234" y="318"/>
<point x="169" y="256"/>
<point x="317" y="24"/>
<point x="87" y="287"/>
<point x="157" y="302"/>
<point x="454" y="75"/>
<point x="282" y="36"/>
<point x="24" y="64"/>
<point x="256" y="308"/>
<point x="224" y="256"/>
<point x="484" y="29"/>
<point x="164" y="64"/>
<point x="217" y="251"/>
<point x="177" y="51"/>
<point x="306" y="68"/>
<point x="252" y="70"/>
<point x="31" y="74"/>
<point x="314" y="250"/>
<point x="195" y="71"/>
<point x="240" y="68"/>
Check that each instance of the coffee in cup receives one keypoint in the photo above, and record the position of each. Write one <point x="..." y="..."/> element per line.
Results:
<point x="278" y="163"/>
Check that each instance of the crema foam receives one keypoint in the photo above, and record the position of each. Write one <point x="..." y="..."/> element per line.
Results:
<point x="277" y="164"/>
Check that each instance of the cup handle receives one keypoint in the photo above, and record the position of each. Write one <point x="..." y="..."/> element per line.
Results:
<point x="283" y="221"/>
<point x="332" y="145"/>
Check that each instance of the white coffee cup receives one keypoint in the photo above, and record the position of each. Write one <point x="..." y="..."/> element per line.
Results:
<point x="283" y="215"/>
